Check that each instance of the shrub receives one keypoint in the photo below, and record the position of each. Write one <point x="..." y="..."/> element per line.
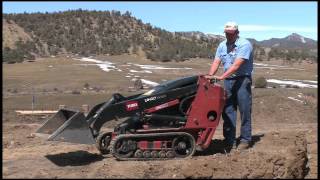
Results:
<point x="15" y="90"/>
<point x="97" y="89"/>
<point x="310" y="94"/>
<point x="86" y="85"/>
<point x="75" y="92"/>
<point x="260" y="82"/>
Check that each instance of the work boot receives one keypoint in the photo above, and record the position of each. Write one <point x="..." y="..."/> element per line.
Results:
<point x="243" y="146"/>
<point x="229" y="147"/>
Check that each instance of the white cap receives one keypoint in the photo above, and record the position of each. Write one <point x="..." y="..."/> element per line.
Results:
<point x="230" y="27"/>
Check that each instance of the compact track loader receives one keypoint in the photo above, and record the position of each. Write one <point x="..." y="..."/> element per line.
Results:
<point x="172" y="120"/>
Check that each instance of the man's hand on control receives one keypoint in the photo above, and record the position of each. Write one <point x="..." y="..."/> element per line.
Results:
<point x="218" y="77"/>
<point x="209" y="76"/>
<point x="213" y="77"/>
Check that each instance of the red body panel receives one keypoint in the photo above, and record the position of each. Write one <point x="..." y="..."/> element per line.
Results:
<point x="209" y="100"/>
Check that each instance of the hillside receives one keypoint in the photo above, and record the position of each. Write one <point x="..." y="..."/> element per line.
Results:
<point x="293" y="41"/>
<point x="104" y="32"/>
<point x="27" y="36"/>
<point x="13" y="33"/>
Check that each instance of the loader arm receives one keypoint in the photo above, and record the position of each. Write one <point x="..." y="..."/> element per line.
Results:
<point x="73" y="126"/>
<point x="135" y="106"/>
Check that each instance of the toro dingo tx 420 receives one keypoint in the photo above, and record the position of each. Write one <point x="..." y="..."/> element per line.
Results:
<point x="172" y="120"/>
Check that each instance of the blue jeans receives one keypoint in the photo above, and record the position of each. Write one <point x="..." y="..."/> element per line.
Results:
<point x="238" y="95"/>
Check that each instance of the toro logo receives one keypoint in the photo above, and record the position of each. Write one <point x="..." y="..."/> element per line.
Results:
<point x="132" y="105"/>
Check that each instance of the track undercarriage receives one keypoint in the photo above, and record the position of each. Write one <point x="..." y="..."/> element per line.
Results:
<point x="153" y="146"/>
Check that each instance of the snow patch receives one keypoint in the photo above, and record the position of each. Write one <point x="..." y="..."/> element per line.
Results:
<point x="299" y="84"/>
<point x="261" y="64"/>
<point x="309" y="81"/>
<point x="108" y="66"/>
<point x="104" y="65"/>
<point x="269" y="66"/>
<point x="144" y="66"/>
<point x="144" y="71"/>
<point x="295" y="99"/>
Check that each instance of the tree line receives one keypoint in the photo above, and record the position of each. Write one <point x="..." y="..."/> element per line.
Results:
<point x="100" y="32"/>
<point x="112" y="32"/>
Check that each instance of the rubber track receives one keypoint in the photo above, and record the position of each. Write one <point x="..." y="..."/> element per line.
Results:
<point x="174" y="134"/>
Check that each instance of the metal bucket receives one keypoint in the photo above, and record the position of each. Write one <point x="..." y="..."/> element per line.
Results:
<point x="67" y="126"/>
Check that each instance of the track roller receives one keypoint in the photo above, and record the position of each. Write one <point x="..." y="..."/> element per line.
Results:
<point x="103" y="142"/>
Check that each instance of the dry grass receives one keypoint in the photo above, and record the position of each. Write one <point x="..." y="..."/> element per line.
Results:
<point x="53" y="80"/>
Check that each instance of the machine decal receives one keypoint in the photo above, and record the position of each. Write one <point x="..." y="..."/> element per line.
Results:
<point x="150" y="99"/>
<point x="132" y="105"/>
<point x="161" y="106"/>
<point x="155" y="98"/>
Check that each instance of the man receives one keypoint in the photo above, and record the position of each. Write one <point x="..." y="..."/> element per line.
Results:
<point x="236" y="55"/>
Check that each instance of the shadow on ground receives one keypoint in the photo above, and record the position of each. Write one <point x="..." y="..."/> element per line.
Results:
<point x="77" y="158"/>
<point x="217" y="146"/>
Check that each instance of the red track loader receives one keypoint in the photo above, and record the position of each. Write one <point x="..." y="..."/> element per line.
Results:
<point x="172" y="120"/>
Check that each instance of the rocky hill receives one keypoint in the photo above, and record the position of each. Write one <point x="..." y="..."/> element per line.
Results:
<point x="26" y="36"/>
<point x="291" y="48"/>
<point x="13" y="33"/>
<point x="293" y="41"/>
<point x="99" y="32"/>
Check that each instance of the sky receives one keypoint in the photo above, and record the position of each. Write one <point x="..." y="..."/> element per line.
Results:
<point x="259" y="20"/>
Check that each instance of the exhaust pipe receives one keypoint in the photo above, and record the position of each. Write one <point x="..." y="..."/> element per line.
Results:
<point x="67" y="126"/>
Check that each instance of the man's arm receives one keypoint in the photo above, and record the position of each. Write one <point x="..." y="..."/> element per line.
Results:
<point x="236" y="65"/>
<point x="214" y="66"/>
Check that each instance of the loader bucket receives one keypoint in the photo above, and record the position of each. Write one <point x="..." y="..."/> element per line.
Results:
<point x="67" y="126"/>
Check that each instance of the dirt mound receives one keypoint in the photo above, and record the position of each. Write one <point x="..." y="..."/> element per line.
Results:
<point x="266" y="159"/>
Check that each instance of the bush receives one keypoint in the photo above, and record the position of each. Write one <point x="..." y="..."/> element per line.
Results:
<point x="97" y="89"/>
<point x="75" y="92"/>
<point x="260" y="82"/>
<point x="291" y="86"/>
<point x="86" y="85"/>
